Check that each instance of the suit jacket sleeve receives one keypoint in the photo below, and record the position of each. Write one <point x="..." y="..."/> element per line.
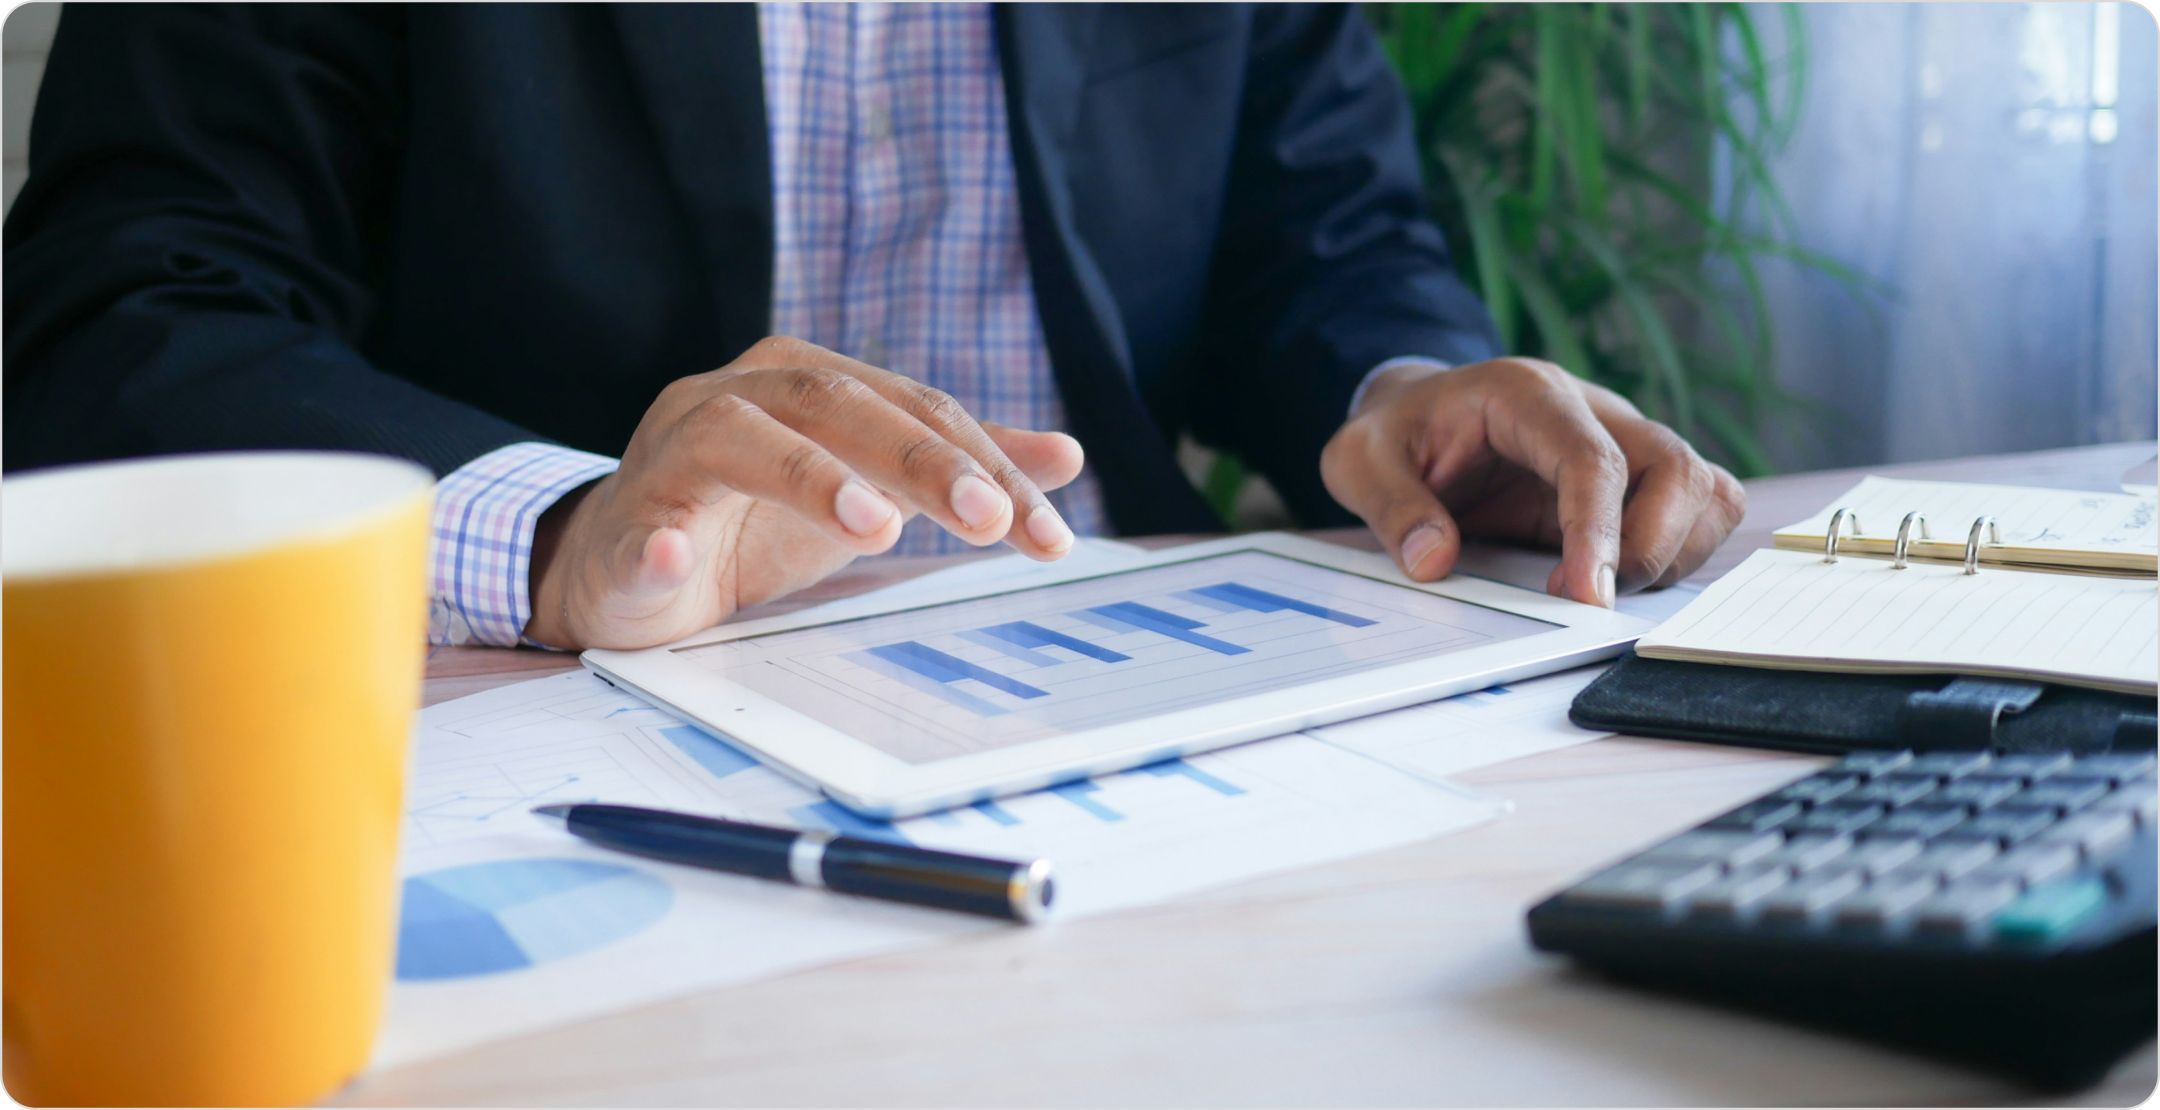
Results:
<point x="188" y="266"/>
<point x="1327" y="264"/>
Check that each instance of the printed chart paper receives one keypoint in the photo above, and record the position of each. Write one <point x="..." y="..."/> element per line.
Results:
<point x="510" y="926"/>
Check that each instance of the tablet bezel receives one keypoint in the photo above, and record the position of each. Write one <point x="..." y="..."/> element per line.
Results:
<point x="876" y="784"/>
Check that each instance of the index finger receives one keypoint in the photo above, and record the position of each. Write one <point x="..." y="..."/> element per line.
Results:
<point x="1552" y="432"/>
<point x="1677" y="498"/>
<point x="1040" y="532"/>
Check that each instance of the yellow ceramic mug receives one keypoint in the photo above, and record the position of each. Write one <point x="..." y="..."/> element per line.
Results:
<point x="211" y="664"/>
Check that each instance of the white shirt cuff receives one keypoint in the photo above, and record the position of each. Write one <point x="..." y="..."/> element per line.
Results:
<point x="486" y="513"/>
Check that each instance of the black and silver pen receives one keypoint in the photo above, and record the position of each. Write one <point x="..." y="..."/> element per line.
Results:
<point x="1017" y="891"/>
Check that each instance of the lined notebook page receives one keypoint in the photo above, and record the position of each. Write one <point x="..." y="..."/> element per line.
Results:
<point x="1790" y="609"/>
<point x="2050" y="527"/>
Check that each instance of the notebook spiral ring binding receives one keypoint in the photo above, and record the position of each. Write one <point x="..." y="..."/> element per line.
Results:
<point x="1904" y="538"/>
<point x="1830" y="536"/>
<point x="1972" y="542"/>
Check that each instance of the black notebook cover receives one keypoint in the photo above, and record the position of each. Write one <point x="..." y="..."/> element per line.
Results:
<point x="1811" y="711"/>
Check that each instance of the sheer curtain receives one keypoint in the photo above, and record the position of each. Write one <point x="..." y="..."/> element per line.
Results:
<point x="1993" y="166"/>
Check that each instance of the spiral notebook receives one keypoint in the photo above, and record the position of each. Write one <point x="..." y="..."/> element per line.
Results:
<point x="1882" y="591"/>
<point x="2045" y="528"/>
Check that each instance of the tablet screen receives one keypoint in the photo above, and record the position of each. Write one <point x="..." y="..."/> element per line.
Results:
<point x="991" y="672"/>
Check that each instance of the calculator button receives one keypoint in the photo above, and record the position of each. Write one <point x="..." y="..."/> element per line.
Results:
<point x="1961" y="908"/>
<point x="2032" y="865"/>
<point x="1977" y="791"/>
<point x="2095" y="834"/>
<point x="1923" y="821"/>
<point x="2005" y="825"/>
<point x="1641" y="885"/>
<point x="1817" y="789"/>
<point x="2138" y="801"/>
<point x="1837" y="817"/>
<point x="1873" y="857"/>
<point x="1884" y="904"/>
<point x="1805" y="897"/>
<point x="2030" y="765"/>
<point x="2061" y="794"/>
<point x="1716" y="846"/>
<point x="1954" y="859"/>
<point x="1735" y="894"/>
<point x="1808" y="851"/>
<point x="1891" y="790"/>
<point x="1949" y="765"/>
<point x="2117" y="765"/>
<point x="2050" y="912"/>
<point x="1909" y="871"/>
<point x="2079" y="778"/>
<point x="1872" y="763"/>
<point x="1757" y="816"/>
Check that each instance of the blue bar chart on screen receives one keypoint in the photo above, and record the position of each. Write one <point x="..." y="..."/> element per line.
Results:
<point x="1034" y="663"/>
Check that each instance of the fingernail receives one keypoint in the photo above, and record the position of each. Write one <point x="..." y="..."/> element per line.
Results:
<point x="1047" y="529"/>
<point x="975" y="501"/>
<point x="860" y="509"/>
<point x="1422" y="541"/>
<point x="1605" y="586"/>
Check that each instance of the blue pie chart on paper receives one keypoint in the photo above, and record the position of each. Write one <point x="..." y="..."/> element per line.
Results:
<point x="484" y="918"/>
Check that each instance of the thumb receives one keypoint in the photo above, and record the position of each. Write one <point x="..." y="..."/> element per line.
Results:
<point x="650" y="562"/>
<point x="1377" y="481"/>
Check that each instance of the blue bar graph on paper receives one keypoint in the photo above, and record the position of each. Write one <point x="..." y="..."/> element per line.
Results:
<point x="995" y="812"/>
<point x="840" y="819"/>
<point x="939" y="667"/>
<point x="719" y="758"/>
<point x="1077" y="793"/>
<point x="1179" y="767"/>
<point x="1133" y="615"/>
<point x="1026" y="634"/>
<point x="1261" y="601"/>
<point x="1482" y="697"/>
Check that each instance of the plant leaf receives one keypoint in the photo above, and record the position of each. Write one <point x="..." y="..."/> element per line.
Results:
<point x="1571" y="152"/>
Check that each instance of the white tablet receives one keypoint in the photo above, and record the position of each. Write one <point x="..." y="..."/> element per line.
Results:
<point x="993" y="690"/>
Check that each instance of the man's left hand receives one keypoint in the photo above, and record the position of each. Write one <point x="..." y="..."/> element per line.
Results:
<point x="1519" y="449"/>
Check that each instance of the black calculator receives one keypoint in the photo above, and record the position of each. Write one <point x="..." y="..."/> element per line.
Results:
<point x="1995" y="908"/>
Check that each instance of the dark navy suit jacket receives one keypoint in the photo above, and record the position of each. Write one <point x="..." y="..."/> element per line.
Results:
<point x="435" y="230"/>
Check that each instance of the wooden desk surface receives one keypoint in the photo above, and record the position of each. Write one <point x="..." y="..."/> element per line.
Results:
<point x="1390" y="979"/>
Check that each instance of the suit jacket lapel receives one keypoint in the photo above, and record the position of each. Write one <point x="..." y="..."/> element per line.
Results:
<point x="1043" y="51"/>
<point x="698" y="69"/>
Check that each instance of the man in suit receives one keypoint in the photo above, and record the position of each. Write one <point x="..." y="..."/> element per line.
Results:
<point x="513" y="243"/>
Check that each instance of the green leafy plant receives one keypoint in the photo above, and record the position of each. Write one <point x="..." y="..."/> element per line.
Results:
<point x="1604" y="172"/>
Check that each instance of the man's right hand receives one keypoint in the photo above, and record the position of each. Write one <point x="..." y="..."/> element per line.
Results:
<point x="764" y="476"/>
